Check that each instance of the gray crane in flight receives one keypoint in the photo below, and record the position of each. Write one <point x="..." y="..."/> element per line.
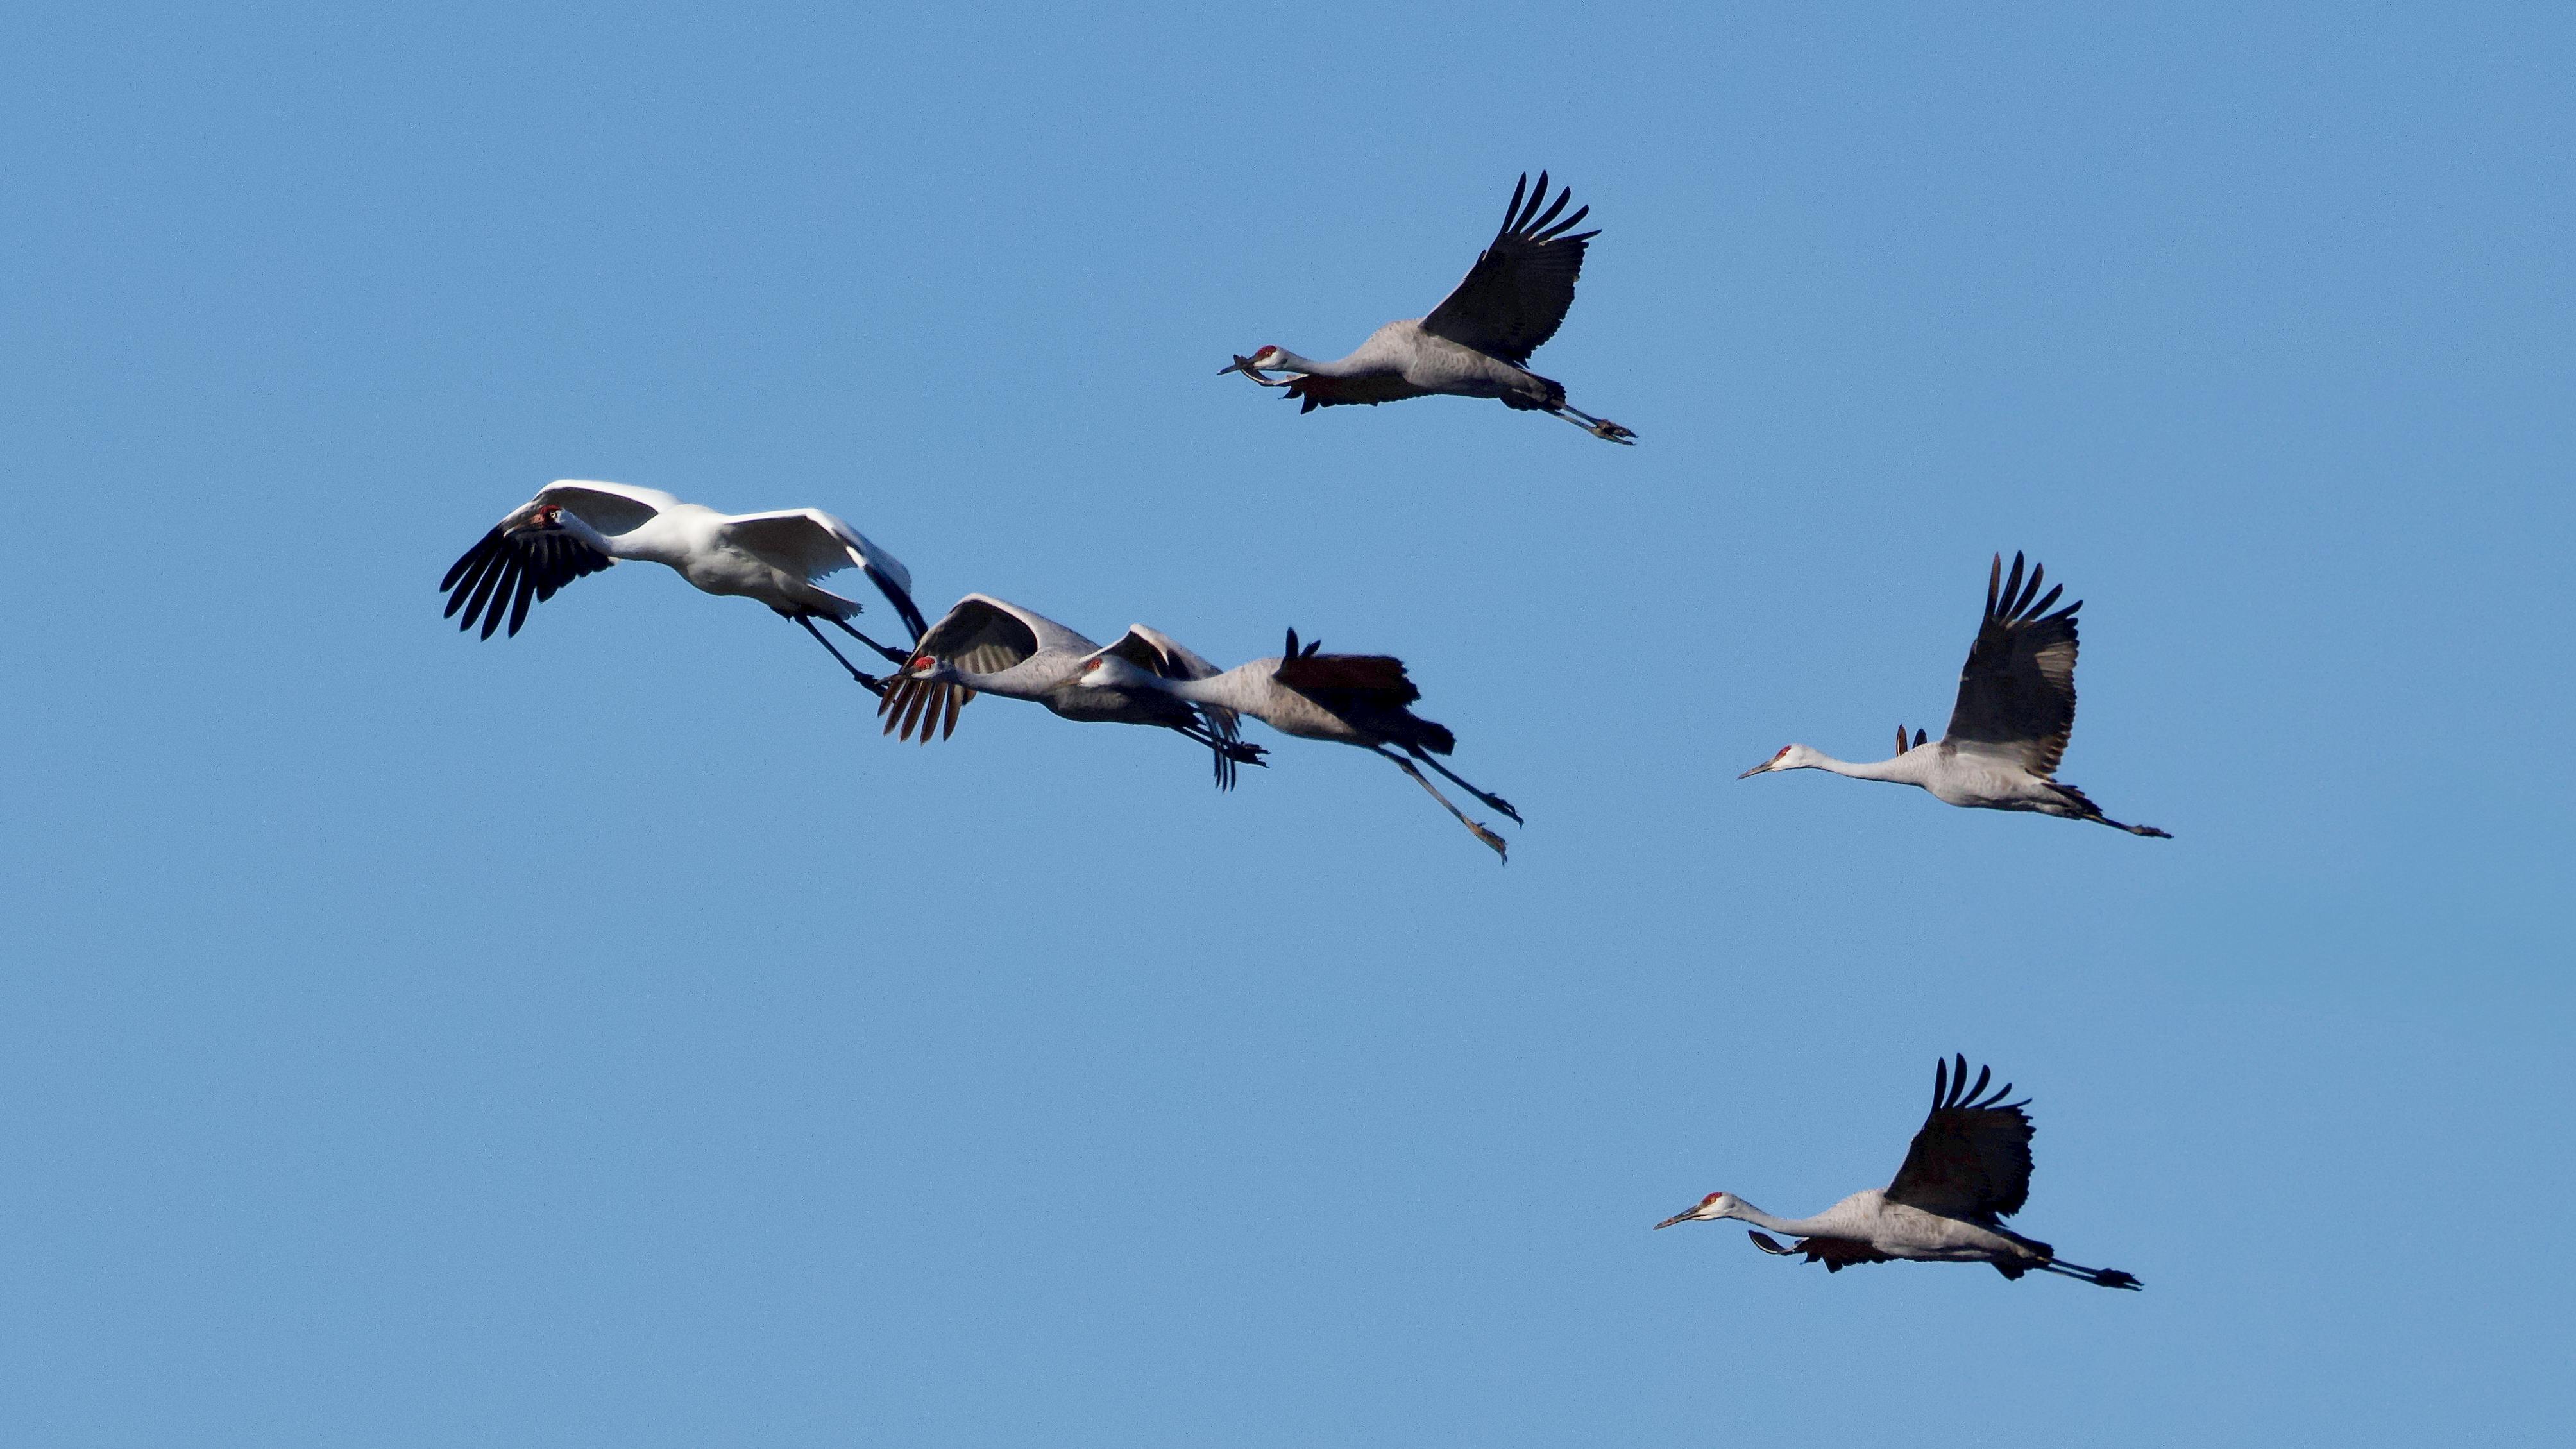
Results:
<point x="2009" y="728"/>
<point x="1969" y="1169"/>
<point x="1478" y="341"/>
<point x="1351" y="699"/>
<point x="986" y="645"/>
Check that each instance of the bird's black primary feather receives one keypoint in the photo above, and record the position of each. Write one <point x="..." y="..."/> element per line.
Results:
<point x="504" y="572"/>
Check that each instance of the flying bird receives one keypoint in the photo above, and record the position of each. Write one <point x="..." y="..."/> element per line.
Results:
<point x="1350" y="699"/>
<point x="989" y="646"/>
<point x="1478" y="341"/>
<point x="2009" y="728"/>
<point x="1968" y="1169"/>
<point x="575" y="527"/>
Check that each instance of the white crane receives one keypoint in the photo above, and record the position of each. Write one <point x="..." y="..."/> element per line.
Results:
<point x="1969" y="1168"/>
<point x="1350" y="699"/>
<point x="1478" y="341"/>
<point x="576" y="527"/>
<point x="2009" y="728"/>
<point x="990" y="646"/>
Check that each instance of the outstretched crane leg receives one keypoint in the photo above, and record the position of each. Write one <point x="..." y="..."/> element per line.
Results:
<point x="2099" y="1277"/>
<point x="1602" y="428"/>
<point x="869" y="682"/>
<point x="892" y="656"/>
<point x="1229" y="753"/>
<point x="1493" y="802"/>
<point x="1479" y="831"/>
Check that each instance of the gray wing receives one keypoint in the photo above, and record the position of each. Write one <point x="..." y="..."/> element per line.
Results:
<point x="980" y="635"/>
<point x="1152" y="649"/>
<point x="1971" y="1160"/>
<point x="1516" y="295"/>
<point x="2017" y="692"/>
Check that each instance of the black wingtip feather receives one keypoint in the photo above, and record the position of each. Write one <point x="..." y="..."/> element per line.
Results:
<point x="519" y="600"/>
<point x="482" y="548"/>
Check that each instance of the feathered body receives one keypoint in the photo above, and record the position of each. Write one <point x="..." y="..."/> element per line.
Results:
<point x="1361" y="700"/>
<point x="2009" y="727"/>
<point x="1967" y="1169"/>
<point x="1478" y="341"/>
<point x="986" y="645"/>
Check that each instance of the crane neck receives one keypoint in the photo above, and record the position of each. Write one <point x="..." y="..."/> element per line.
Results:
<point x="1292" y="362"/>
<point x="652" y="541"/>
<point x="1902" y="769"/>
<point x="1241" y="689"/>
<point x="1795" y="1227"/>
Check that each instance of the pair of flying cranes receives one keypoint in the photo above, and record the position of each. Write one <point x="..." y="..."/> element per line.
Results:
<point x="1969" y="1165"/>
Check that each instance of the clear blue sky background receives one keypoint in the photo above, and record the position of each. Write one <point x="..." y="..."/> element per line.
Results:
<point x="603" y="1037"/>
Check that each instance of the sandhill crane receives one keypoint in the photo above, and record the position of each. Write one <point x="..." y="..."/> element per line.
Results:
<point x="578" y="527"/>
<point x="1351" y="699"/>
<point x="1477" y="342"/>
<point x="1968" y="1168"/>
<point x="2016" y="708"/>
<point x="986" y="645"/>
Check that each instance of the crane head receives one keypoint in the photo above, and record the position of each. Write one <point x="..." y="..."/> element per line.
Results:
<point x="1266" y="355"/>
<point x="1789" y="757"/>
<point x="1715" y="1205"/>
<point x="542" y="516"/>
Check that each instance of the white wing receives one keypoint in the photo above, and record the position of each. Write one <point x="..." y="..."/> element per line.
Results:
<point x="611" y="508"/>
<point x="813" y="543"/>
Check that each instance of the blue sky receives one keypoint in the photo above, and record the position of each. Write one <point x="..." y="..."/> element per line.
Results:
<point x="604" y="1037"/>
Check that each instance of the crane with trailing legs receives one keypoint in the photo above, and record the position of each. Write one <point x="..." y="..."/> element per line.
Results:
<point x="1478" y="341"/>
<point x="578" y="527"/>
<point x="1351" y="699"/>
<point x="2009" y="727"/>
<point x="1968" y="1169"/>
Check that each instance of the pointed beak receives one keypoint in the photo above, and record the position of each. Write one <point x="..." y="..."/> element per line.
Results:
<point x="1244" y="365"/>
<point x="1758" y="769"/>
<point x="1680" y="1217"/>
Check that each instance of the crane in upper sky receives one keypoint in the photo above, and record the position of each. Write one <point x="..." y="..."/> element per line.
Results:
<point x="1478" y="341"/>
<point x="1969" y="1169"/>
<point x="2008" y="729"/>
<point x="577" y="527"/>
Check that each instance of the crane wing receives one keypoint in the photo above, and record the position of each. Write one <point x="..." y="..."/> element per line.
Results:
<point x="1971" y="1160"/>
<point x="1379" y="677"/>
<point x="507" y="570"/>
<point x="1325" y="392"/>
<point x="979" y="635"/>
<point x="2017" y="693"/>
<point x="813" y="543"/>
<point x="1151" y="649"/>
<point x="611" y="508"/>
<point x="1835" y="1253"/>
<point x="1516" y="294"/>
